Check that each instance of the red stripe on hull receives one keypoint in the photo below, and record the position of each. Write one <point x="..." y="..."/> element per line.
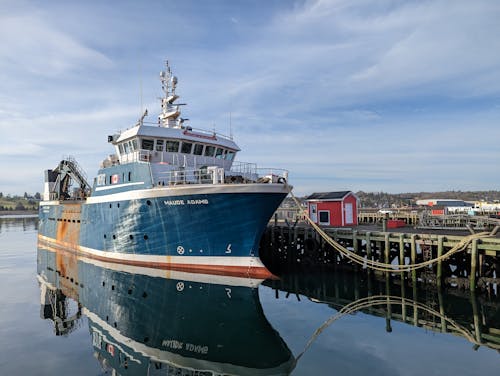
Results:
<point x="223" y="270"/>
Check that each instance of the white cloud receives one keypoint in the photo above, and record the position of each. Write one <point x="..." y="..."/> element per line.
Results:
<point x="30" y="44"/>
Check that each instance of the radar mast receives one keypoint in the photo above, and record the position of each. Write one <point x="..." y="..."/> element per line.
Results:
<point x="170" y="111"/>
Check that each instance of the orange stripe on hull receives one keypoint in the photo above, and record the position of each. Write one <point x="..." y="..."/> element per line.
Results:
<point x="222" y="270"/>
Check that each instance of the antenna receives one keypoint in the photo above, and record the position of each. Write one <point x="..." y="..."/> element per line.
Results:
<point x="230" y="127"/>
<point x="140" y="87"/>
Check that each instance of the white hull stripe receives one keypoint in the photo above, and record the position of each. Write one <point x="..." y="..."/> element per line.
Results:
<point x="231" y="261"/>
<point x="106" y="187"/>
<point x="174" y="274"/>
<point x="182" y="190"/>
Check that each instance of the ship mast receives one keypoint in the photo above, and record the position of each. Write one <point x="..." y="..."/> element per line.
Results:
<point x="170" y="111"/>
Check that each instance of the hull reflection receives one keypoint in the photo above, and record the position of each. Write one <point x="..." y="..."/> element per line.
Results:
<point x="144" y="321"/>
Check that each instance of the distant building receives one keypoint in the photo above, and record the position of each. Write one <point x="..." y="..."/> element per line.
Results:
<point x="335" y="209"/>
<point x="443" y="202"/>
<point x="446" y="206"/>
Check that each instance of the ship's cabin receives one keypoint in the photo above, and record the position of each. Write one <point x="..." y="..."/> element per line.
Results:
<point x="175" y="147"/>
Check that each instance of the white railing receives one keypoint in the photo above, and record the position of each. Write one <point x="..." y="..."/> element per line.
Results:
<point x="244" y="173"/>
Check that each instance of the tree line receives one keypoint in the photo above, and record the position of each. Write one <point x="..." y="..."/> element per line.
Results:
<point x="18" y="203"/>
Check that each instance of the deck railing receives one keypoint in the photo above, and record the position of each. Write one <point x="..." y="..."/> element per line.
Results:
<point x="242" y="173"/>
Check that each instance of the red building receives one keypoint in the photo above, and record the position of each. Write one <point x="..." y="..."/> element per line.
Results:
<point x="335" y="209"/>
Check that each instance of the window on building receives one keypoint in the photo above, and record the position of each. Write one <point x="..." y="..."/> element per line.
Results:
<point x="159" y="145"/>
<point x="198" y="149"/>
<point x="209" y="151"/>
<point x="147" y="144"/>
<point x="324" y="217"/>
<point x="172" y="146"/>
<point x="186" y="147"/>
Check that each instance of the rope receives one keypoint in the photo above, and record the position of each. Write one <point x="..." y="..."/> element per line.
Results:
<point x="393" y="300"/>
<point x="381" y="266"/>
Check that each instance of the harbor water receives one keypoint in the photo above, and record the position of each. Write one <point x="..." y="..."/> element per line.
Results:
<point x="70" y="316"/>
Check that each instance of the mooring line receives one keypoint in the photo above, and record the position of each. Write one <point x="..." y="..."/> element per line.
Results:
<point x="384" y="267"/>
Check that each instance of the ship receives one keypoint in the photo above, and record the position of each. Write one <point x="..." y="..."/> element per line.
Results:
<point x="170" y="196"/>
<point x="145" y="321"/>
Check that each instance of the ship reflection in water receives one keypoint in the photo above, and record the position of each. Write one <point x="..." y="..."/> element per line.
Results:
<point x="150" y="321"/>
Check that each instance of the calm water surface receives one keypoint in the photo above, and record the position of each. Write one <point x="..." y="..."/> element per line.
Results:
<point x="63" y="315"/>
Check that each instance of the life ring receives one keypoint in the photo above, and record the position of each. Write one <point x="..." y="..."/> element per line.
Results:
<point x="282" y="180"/>
<point x="114" y="179"/>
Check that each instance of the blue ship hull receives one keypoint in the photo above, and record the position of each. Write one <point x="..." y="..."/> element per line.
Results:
<point x="202" y="229"/>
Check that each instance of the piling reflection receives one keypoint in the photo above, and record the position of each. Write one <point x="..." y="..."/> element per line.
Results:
<point x="148" y="321"/>
<point x="475" y="318"/>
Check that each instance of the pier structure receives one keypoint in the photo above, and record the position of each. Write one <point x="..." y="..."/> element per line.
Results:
<point x="284" y="247"/>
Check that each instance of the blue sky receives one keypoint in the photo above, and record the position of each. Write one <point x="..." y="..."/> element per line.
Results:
<point x="394" y="96"/>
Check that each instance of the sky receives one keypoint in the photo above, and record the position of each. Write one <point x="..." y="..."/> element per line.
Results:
<point x="392" y="96"/>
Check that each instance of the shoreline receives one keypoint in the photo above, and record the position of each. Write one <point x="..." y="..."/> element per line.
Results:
<point x="18" y="213"/>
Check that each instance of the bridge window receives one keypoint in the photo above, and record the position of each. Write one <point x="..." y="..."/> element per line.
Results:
<point x="230" y="155"/>
<point x="219" y="153"/>
<point x="159" y="145"/>
<point x="147" y="144"/>
<point x="133" y="144"/>
<point x="125" y="147"/>
<point x="186" y="147"/>
<point x="198" y="149"/>
<point x="120" y="147"/>
<point x="101" y="179"/>
<point x="172" y="146"/>
<point x="209" y="151"/>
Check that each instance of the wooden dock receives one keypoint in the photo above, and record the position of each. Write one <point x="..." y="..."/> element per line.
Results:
<point x="298" y="246"/>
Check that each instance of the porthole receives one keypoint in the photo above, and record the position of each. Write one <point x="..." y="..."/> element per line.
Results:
<point x="131" y="237"/>
<point x="148" y="202"/>
<point x="146" y="237"/>
<point x="114" y="236"/>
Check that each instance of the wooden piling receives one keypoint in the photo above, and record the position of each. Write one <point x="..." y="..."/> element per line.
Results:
<point x="475" y="314"/>
<point x="439" y="273"/>
<point x="441" y="311"/>
<point x="387" y="249"/>
<point x="368" y="245"/>
<point x="473" y="265"/>
<point x="413" y="260"/>
<point x="402" y="256"/>
<point x="355" y="247"/>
